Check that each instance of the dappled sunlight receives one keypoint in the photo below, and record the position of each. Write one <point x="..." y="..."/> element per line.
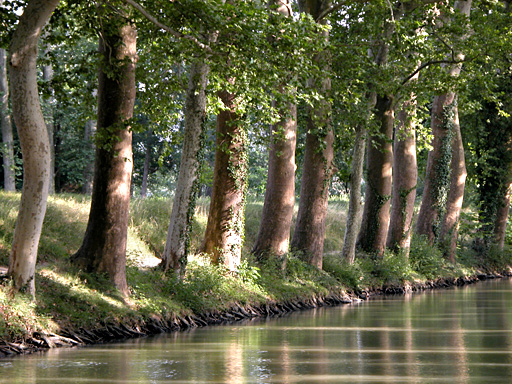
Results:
<point x="78" y="287"/>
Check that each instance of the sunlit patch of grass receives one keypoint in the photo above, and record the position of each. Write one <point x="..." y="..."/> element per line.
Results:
<point x="19" y="317"/>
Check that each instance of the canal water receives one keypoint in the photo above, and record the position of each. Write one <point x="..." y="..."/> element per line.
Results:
<point x="459" y="335"/>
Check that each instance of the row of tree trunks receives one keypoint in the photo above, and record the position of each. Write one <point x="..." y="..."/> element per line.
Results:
<point x="104" y="245"/>
<point x="6" y="126"/>
<point x="34" y="142"/>
<point x="176" y="246"/>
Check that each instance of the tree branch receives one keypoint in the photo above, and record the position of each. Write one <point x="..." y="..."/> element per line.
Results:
<point x="429" y="63"/>
<point x="166" y="28"/>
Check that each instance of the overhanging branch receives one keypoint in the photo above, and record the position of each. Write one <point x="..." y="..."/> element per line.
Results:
<point x="429" y="63"/>
<point x="166" y="28"/>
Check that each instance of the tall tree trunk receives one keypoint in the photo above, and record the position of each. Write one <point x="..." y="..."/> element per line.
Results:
<point x="177" y="243"/>
<point x="50" y="123"/>
<point x="89" y="131"/>
<point x="309" y="233"/>
<point x="405" y="174"/>
<point x="374" y="227"/>
<point x="225" y="228"/>
<point x="145" y="170"/>
<point x="455" y="197"/>
<point x="6" y="125"/>
<point x="274" y="233"/>
<point x="34" y="141"/>
<point x="437" y="178"/>
<point x="355" y="204"/>
<point x="104" y="245"/>
<point x="438" y="173"/>
<point x="500" y="224"/>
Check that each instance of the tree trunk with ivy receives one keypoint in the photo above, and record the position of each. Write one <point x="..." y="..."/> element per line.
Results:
<point x="438" y="172"/>
<point x="225" y="228"/>
<point x="374" y="226"/>
<point x="405" y="174"/>
<point x="455" y="197"/>
<point x="104" y="245"/>
<point x="177" y="243"/>
<point x="33" y="139"/>
<point x="500" y="224"/>
<point x="493" y="172"/>
<point x="6" y="126"/>
<point x="274" y="233"/>
<point x="308" y="237"/>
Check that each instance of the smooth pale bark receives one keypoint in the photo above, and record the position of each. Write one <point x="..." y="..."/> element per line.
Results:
<point x="225" y="228"/>
<point x="176" y="245"/>
<point x="145" y="170"/>
<point x="89" y="131"/>
<point x="104" y="245"/>
<point x="438" y="173"/>
<point x="33" y="139"/>
<point x="50" y="125"/>
<point x="6" y="126"/>
<point x="374" y="227"/>
<point x="276" y="220"/>
<point x="405" y="174"/>
<point x="450" y="224"/>
<point x="309" y="233"/>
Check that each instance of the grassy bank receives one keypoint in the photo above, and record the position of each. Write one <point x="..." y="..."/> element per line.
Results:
<point x="68" y="298"/>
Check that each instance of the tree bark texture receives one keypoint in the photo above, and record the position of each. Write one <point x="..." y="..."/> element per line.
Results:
<point x="50" y="123"/>
<point x="375" y="223"/>
<point x="33" y="139"/>
<point x="276" y="220"/>
<point x="145" y="170"/>
<point x="455" y="197"/>
<point x="225" y="228"/>
<point x="405" y="175"/>
<point x="177" y="243"/>
<point x="437" y="178"/>
<point x="309" y="233"/>
<point x="104" y="245"/>
<point x="6" y="126"/>
<point x="274" y="233"/>
<point x="355" y="204"/>
<point x="500" y="224"/>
